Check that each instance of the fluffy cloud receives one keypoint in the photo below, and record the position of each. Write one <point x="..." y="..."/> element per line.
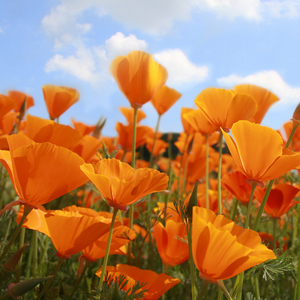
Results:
<point x="155" y="17"/>
<point x="270" y="80"/>
<point x="182" y="72"/>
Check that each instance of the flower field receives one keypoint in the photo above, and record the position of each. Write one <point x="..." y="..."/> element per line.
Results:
<point x="210" y="213"/>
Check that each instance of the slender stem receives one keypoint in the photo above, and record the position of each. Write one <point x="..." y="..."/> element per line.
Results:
<point x="107" y="248"/>
<point x="234" y="209"/>
<point x="46" y="286"/>
<point x="295" y="229"/>
<point x="154" y="140"/>
<point x="254" y="184"/>
<point x="219" y="173"/>
<point x="204" y="286"/>
<point x="291" y="136"/>
<point x="256" y="286"/>
<point x="34" y="254"/>
<point x="298" y="281"/>
<point x="207" y="172"/>
<point x="191" y="262"/>
<point x="224" y="290"/>
<point x="87" y="263"/>
<point x="19" y="265"/>
<point x="29" y="260"/>
<point x="131" y="206"/>
<point x="220" y="294"/>
<point x="43" y="256"/>
<point x="262" y="205"/>
<point x="27" y="210"/>
<point x="7" y="230"/>
<point x="184" y="176"/>
<point x="240" y="287"/>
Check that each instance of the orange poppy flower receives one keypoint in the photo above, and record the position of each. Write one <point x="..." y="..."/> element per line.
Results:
<point x="160" y="146"/>
<point x="223" y="107"/>
<point x="263" y="98"/>
<point x="58" y="99"/>
<point x="125" y="135"/>
<point x="171" y="212"/>
<point x="121" y="185"/>
<point x="295" y="143"/>
<point x="183" y="142"/>
<point x="42" y="130"/>
<point x="171" y="250"/>
<point x="258" y="153"/>
<point x="164" y="98"/>
<point x="138" y="76"/>
<point x="157" y="284"/>
<point x="19" y="98"/>
<point x="8" y="122"/>
<point x="280" y="200"/>
<point x="6" y="105"/>
<point x="128" y="113"/>
<point x="198" y="120"/>
<point x="236" y="183"/>
<point x="187" y="127"/>
<point x="122" y="235"/>
<point x="222" y="249"/>
<point x="42" y="172"/>
<point x="82" y="128"/>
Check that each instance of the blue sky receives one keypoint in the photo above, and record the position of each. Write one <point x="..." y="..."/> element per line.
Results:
<point x="202" y="43"/>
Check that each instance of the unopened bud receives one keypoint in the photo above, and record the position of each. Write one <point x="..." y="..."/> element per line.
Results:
<point x="193" y="202"/>
<point x="12" y="262"/>
<point x="16" y="290"/>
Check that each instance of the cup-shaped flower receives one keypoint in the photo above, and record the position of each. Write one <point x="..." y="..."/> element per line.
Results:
<point x="128" y="113"/>
<point x="58" y="99"/>
<point x="83" y="128"/>
<point x="6" y="105"/>
<point x="264" y="99"/>
<point x="121" y="185"/>
<point x="19" y="98"/>
<point x="258" y="153"/>
<point x="236" y="183"/>
<point x="187" y="127"/>
<point x="280" y="200"/>
<point x="40" y="172"/>
<point x="223" y="107"/>
<point x="157" y="284"/>
<point x="171" y="250"/>
<point x="164" y="98"/>
<point x="222" y="249"/>
<point x="138" y="76"/>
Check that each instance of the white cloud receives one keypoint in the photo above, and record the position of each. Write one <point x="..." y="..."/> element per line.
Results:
<point x="270" y="80"/>
<point x="91" y="64"/>
<point x="155" y="17"/>
<point x="182" y="72"/>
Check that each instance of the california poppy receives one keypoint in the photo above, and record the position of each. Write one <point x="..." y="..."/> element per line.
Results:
<point x="42" y="130"/>
<point x="187" y="127"/>
<point x="164" y="98"/>
<point x="258" y="153"/>
<point x="138" y="76"/>
<point x="160" y="146"/>
<point x="157" y="284"/>
<point x="82" y="128"/>
<point x="263" y="98"/>
<point x="128" y="113"/>
<point x="280" y="200"/>
<point x="6" y="105"/>
<point x="171" y="250"/>
<point x="121" y="185"/>
<point x="222" y="249"/>
<point x="19" y="98"/>
<point x="40" y="172"/>
<point x="199" y="121"/>
<point x="224" y="107"/>
<point x="58" y="99"/>
<point x="236" y="183"/>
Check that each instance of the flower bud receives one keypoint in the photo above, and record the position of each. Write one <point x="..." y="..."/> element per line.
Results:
<point x="12" y="262"/>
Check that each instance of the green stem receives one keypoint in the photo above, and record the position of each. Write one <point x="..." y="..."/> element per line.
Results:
<point x="262" y="205"/>
<point x="131" y="206"/>
<point x="254" y="184"/>
<point x="204" y="286"/>
<point x="234" y="209"/>
<point x="29" y="260"/>
<point x="191" y="262"/>
<point x="207" y="172"/>
<point x="154" y="140"/>
<point x="240" y="287"/>
<point x="295" y="229"/>
<point x="224" y="290"/>
<point x="27" y="210"/>
<point x="19" y="265"/>
<point x="219" y="174"/>
<point x="34" y="254"/>
<point x="220" y="294"/>
<point x="291" y="136"/>
<point x="256" y="286"/>
<point x="46" y="286"/>
<point x="107" y="248"/>
<point x="298" y="281"/>
<point x="43" y="256"/>
<point x="87" y="263"/>
<point x="7" y="230"/>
